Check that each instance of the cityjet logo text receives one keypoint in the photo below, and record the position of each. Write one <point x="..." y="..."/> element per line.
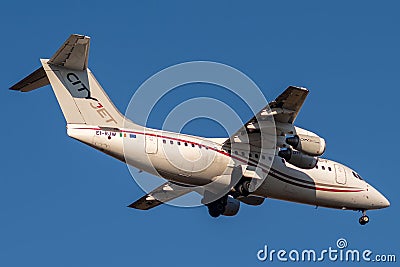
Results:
<point x="340" y="252"/>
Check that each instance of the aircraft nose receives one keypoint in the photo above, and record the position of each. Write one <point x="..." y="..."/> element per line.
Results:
<point x="385" y="202"/>
<point x="379" y="200"/>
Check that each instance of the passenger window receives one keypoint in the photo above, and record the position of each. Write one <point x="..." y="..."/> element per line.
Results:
<point x="323" y="167"/>
<point x="186" y="144"/>
<point x="270" y="158"/>
<point x="256" y="155"/>
<point x="329" y="168"/>
<point x="192" y="145"/>
<point x="243" y="154"/>
<point x="250" y="155"/>
<point x="171" y="142"/>
<point x="316" y="166"/>
<point x="262" y="156"/>
<point x="179" y="143"/>
<point x="236" y="153"/>
<point x="164" y="141"/>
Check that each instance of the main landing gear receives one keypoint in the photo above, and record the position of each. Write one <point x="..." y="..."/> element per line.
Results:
<point x="217" y="207"/>
<point x="243" y="188"/>
<point x="364" y="219"/>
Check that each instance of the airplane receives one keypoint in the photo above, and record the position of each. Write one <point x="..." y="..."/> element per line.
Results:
<point x="239" y="169"/>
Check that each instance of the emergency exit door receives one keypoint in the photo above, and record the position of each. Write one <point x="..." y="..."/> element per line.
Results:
<point x="151" y="143"/>
<point x="340" y="174"/>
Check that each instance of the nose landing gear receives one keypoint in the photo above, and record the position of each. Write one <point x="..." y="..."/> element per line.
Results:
<point x="364" y="219"/>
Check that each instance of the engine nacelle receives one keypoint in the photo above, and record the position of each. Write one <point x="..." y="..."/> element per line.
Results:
<point x="298" y="158"/>
<point x="232" y="207"/>
<point x="311" y="145"/>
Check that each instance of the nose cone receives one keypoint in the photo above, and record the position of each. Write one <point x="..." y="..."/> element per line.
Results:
<point x="379" y="201"/>
<point x="385" y="202"/>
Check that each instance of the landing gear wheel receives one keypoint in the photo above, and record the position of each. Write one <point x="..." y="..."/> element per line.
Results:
<point x="213" y="212"/>
<point x="244" y="188"/>
<point x="217" y="207"/>
<point x="363" y="220"/>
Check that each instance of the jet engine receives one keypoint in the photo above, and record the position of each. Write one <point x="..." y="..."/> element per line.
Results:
<point x="298" y="158"/>
<point x="232" y="207"/>
<point x="309" y="144"/>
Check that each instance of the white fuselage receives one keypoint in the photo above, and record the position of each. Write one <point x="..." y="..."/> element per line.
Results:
<point x="193" y="160"/>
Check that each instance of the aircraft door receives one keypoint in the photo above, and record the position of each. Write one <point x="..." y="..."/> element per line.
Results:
<point x="340" y="174"/>
<point x="151" y="143"/>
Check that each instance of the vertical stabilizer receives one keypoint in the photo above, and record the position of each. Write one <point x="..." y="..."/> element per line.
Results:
<point x="81" y="98"/>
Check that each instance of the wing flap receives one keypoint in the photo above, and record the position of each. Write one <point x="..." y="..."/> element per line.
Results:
<point x="145" y="203"/>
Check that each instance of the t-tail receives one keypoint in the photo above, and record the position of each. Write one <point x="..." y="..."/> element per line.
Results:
<point x="81" y="98"/>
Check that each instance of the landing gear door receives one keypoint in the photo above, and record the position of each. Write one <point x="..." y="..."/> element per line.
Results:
<point x="151" y="143"/>
<point x="340" y="174"/>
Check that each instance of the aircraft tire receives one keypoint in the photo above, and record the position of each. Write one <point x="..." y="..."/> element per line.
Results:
<point x="363" y="220"/>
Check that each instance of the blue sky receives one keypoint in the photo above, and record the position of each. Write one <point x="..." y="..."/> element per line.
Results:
<point x="64" y="204"/>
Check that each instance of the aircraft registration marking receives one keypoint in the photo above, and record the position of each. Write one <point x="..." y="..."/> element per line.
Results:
<point x="106" y="133"/>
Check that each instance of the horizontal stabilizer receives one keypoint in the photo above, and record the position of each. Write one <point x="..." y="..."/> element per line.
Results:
<point x="81" y="97"/>
<point x="73" y="54"/>
<point x="35" y="80"/>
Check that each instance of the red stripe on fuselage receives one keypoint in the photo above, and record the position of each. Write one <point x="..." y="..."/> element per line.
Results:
<point x="293" y="181"/>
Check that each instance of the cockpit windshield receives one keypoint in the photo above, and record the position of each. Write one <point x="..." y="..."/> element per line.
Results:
<point x="357" y="176"/>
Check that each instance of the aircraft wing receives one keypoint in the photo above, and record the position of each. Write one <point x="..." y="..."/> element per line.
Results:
<point x="164" y="193"/>
<point x="286" y="106"/>
<point x="283" y="109"/>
